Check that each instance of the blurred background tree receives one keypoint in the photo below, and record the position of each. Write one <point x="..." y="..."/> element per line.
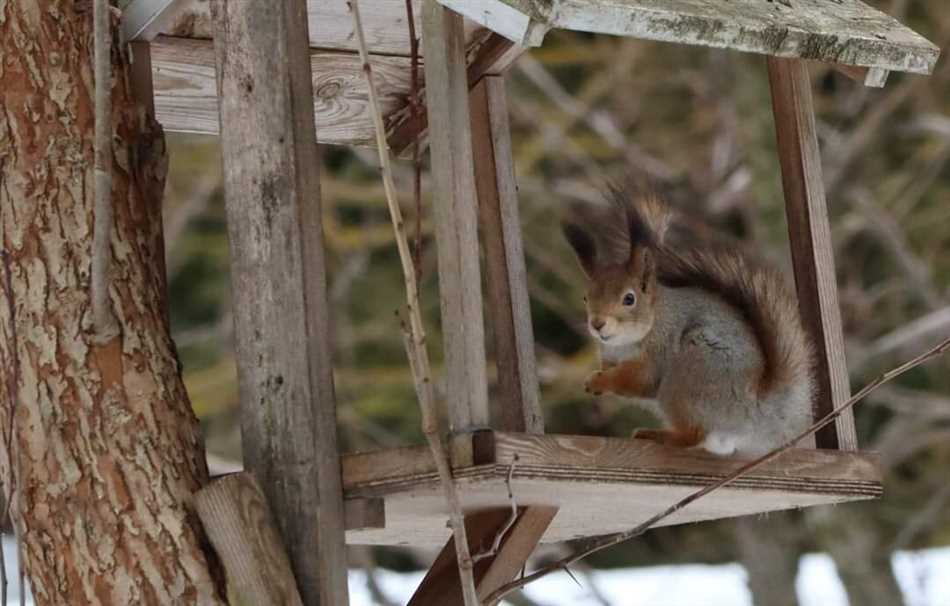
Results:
<point x="697" y="122"/>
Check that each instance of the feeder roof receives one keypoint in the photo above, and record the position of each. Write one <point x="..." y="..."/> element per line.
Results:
<point x="847" y="32"/>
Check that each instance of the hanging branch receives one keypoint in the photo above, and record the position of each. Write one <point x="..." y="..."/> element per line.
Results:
<point x="103" y="320"/>
<point x="615" y="539"/>
<point x="414" y="332"/>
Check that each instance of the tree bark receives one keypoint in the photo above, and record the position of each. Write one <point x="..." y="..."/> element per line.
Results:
<point x="105" y="450"/>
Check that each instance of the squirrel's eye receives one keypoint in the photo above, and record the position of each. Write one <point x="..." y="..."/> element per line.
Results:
<point x="629" y="299"/>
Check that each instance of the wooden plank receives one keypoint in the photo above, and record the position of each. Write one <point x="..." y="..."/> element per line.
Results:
<point x="456" y="223"/>
<point x="272" y="192"/>
<point x="517" y="405"/>
<point x="810" y="236"/>
<point x="186" y="96"/>
<point x="144" y="19"/>
<point x="517" y="547"/>
<point x="330" y="24"/>
<point x="843" y="31"/>
<point x="586" y="475"/>
<point x="440" y="587"/>
<point x="241" y="528"/>
<point x="594" y="452"/>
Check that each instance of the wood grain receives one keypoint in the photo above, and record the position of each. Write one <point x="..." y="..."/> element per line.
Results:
<point x="843" y="31"/>
<point x="810" y="237"/>
<point x="241" y="528"/>
<point x="584" y="476"/>
<point x="329" y="23"/>
<point x="517" y="405"/>
<point x="278" y="273"/>
<point x="186" y="96"/>
<point x="456" y="223"/>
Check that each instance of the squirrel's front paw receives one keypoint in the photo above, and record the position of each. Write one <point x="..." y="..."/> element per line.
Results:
<point x="596" y="383"/>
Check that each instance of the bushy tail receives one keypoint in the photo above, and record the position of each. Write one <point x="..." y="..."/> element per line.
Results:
<point x="759" y="293"/>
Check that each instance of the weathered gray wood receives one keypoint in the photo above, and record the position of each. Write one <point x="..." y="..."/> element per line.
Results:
<point x="585" y="476"/>
<point x="241" y="528"/>
<point x="838" y="31"/>
<point x="517" y="405"/>
<point x="186" y="97"/>
<point x="810" y="237"/>
<point x="456" y="223"/>
<point x="272" y="190"/>
<point x="330" y="24"/>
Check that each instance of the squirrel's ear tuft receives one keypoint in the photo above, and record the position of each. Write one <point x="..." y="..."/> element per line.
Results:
<point x="642" y="264"/>
<point x="583" y="246"/>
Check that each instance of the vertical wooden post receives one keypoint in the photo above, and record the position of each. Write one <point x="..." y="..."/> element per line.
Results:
<point x="456" y="223"/>
<point x="271" y="163"/>
<point x="517" y="406"/>
<point x="810" y="235"/>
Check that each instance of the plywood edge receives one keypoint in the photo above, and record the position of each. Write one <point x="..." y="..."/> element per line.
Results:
<point x="600" y="460"/>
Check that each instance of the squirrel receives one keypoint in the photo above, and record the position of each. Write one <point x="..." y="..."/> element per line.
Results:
<point x="705" y="338"/>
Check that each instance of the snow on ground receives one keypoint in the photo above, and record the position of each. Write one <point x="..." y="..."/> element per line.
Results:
<point x="924" y="576"/>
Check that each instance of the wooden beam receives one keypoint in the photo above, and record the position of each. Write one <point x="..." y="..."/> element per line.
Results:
<point x="241" y="528"/>
<point x="141" y="77"/>
<point x="843" y="31"/>
<point x="282" y="336"/>
<point x="518" y="545"/>
<point x="490" y="55"/>
<point x="456" y="223"/>
<point x="186" y="95"/>
<point x="142" y="20"/>
<point x="810" y="236"/>
<point x="517" y="405"/>
<point x="441" y="587"/>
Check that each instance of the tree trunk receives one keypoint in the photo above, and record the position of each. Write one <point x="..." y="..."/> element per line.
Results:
<point x="768" y="547"/>
<point x="105" y="449"/>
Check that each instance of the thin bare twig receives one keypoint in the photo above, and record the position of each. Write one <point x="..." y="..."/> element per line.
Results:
<point x="615" y="539"/>
<point x="103" y="318"/>
<point x="414" y="332"/>
<point x="512" y="518"/>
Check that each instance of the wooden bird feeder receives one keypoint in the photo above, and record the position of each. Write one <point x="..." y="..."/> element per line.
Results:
<point x="565" y="487"/>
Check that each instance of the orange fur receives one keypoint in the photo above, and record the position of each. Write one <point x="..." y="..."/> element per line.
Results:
<point x="630" y="378"/>
<point x="683" y="437"/>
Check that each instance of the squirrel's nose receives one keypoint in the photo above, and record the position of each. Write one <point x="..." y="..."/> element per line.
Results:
<point x="597" y="323"/>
